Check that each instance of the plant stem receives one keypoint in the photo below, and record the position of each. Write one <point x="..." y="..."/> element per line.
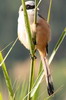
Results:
<point x="7" y="79"/>
<point x="35" y="16"/>
<point x="31" y="78"/>
<point x="57" y="45"/>
<point x="33" y="60"/>
<point x="32" y="46"/>
<point x="48" y="17"/>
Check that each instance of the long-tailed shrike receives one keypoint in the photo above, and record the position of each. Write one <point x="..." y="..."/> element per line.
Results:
<point x="42" y="32"/>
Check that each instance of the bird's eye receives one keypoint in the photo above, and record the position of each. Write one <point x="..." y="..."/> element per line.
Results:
<point x="28" y="7"/>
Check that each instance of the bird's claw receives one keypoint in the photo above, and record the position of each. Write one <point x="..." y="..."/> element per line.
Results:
<point x="33" y="57"/>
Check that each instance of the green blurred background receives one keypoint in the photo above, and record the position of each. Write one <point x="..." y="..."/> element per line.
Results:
<point x="19" y="55"/>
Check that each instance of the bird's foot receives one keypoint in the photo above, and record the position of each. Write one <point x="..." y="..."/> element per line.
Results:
<point x="33" y="57"/>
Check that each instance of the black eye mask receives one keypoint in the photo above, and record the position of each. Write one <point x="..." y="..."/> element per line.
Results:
<point x="28" y="7"/>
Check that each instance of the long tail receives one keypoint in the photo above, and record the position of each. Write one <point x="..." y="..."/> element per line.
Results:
<point x="49" y="81"/>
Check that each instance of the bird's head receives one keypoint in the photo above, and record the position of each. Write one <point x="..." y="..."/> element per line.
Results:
<point x="30" y="6"/>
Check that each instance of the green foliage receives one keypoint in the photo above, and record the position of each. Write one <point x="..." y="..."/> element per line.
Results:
<point x="20" y="90"/>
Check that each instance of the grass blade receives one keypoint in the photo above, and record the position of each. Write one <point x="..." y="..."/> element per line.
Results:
<point x="6" y="46"/>
<point x="57" y="45"/>
<point x="48" y="17"/>
<point x="39" y="73"/>
<point x="8" y="52"/>
<point x="7" y="79"/>
<point x="37" y="82"/>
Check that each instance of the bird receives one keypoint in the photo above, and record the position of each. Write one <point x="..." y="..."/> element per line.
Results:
<point x="42" y="31"/>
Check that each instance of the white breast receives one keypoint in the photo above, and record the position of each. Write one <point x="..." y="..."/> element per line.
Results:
<point x="22" y="33"/>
